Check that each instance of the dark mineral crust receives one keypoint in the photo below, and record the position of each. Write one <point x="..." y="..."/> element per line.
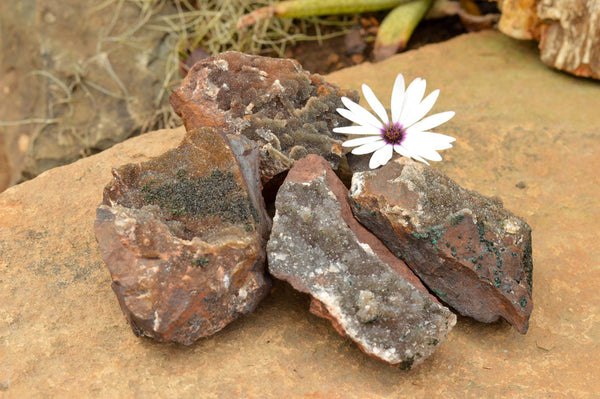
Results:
<point x="470" y="251"/>
<point x="367" y="293"/>
<point x="183" y="236"/>
<point x="287" y="111"/>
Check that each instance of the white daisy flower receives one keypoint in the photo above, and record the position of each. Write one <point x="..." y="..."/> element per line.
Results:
<point x="407" y="133"/>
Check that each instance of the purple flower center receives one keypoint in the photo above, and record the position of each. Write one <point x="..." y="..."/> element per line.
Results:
<point x="393" y="133"/>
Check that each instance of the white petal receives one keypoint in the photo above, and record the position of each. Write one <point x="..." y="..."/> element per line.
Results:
<point x="438" y="136"/>
<point x="397" y="97"/>
<point x="365" y="129"/>
<point x="369" y="147"/>
<point x="422" y="109"/>
<point x="406" y="152"/>
<point x="438" y="147"/>
<point x="381" y="156"/>
<point x="430" y="154"/>
<point x="421" y="150"/>
<point x="412" y="99"/>
<point x="437" y="141"/>
<point x="375" y="104"/>
<point x="360" y="141"/>
<point x="402" y="151"/>
<point x="360" y="113"/>
<point x="431" y="140"/>
<point x="432" y="121"/>
<point x="418" y="158"/>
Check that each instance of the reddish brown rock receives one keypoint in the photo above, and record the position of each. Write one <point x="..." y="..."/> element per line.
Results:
<point x="183" y="237"/>
<point x="289" y="112"/>
<point x="470" y="251"/>
<point x="367" y="293"/>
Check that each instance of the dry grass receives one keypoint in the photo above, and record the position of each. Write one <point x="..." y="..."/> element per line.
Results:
<point x="184" y="24"/>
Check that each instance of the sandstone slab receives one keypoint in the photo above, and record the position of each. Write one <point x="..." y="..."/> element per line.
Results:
<point x="183" y="236"/>
<point x="5" y="172"/>
<point x="524" y="133"/>
<point x="354" y="281"/>
<point x="288" y="111"/>
<point x="470" y="251"/>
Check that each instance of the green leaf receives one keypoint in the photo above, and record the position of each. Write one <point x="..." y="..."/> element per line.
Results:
<point x="398" y="26"/>
<point x="312" y="8"/>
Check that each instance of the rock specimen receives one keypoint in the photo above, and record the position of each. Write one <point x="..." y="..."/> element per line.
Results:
<point x="470" y="251"/>
<point x="368" y="294"/>
<point x="183" y="237"/>
<point x="519" y="18"/>
<point x="287" y="111"/>
<point x="568" y="32"/>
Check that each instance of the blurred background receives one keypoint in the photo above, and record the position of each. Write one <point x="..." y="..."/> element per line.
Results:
<point x="78" y="76"/>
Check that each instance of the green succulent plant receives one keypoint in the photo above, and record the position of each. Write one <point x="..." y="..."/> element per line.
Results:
<point x="394" y="31"/>
<point x="396" y="28"/>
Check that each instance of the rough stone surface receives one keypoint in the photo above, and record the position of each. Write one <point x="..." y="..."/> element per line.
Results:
<point x="470" y="251"/>
<point x="568" y="31"/>
<point x="519" y="18"/>
<point x="289" y="112"/>
<point x="183" y="235"/>
<point x="570" y="36"/>
<point x="80" y="79"/>
<point x="369" y="295"/>
<point x="523" y="131"/>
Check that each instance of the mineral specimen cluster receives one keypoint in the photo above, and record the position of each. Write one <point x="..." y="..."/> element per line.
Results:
<point x="184" y="236"/>
<point x="187" y="236"/>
